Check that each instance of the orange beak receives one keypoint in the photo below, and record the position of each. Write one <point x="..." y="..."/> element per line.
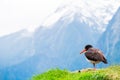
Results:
<point x="82" y="51"/>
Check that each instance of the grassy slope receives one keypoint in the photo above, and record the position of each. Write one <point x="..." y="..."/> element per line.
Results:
<point x="110" y="73"/>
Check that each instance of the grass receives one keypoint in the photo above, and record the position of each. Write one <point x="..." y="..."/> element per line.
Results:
<point x="110" y="73"/>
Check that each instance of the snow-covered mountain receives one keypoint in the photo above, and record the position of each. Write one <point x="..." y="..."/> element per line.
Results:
<point x="91" y="12"/>
<point x="111" y="39"/>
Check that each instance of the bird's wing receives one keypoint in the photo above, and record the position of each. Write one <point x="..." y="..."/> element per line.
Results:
<point x="102" y="58"/>
<point x="95" y="55"/>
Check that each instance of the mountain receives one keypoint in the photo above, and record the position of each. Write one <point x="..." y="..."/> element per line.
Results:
<point x="91" y="12"/>
<point x="111" y="39"/>
<point x="15" y="48"/>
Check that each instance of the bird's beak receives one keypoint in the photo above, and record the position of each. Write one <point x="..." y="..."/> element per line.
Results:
<point x="82" y="51"/>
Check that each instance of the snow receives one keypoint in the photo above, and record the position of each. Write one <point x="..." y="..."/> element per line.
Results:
<point x="100" y="11"/>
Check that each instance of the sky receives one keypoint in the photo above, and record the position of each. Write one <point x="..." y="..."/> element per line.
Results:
<point x="19" y="14"/>
<point x="28" y="14"/>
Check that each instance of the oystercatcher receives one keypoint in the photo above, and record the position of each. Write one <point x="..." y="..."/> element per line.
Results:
<point x="94" y="55"/>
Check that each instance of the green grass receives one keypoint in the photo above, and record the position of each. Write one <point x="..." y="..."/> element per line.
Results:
<point x="110" y="73"/>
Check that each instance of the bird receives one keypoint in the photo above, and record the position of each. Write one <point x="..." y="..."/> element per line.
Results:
<point x="94" y="55"/>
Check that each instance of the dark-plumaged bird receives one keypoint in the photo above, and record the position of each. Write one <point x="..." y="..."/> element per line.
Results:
<point x="94" y="55"/>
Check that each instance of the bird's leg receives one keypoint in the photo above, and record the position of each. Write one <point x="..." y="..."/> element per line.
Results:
<point x="94" y="66"/>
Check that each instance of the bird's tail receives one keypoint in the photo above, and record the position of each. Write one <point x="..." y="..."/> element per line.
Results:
<point x="105" y="61"/>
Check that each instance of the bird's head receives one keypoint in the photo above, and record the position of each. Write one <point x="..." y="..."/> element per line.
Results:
<point x="86" y="48"/>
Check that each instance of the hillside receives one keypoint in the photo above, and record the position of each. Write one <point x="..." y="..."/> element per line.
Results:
<point x="111" y="39"/>
<point x="110" y="73"/>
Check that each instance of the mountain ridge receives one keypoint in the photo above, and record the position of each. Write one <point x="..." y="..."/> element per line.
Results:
<point x="111" y="39"/>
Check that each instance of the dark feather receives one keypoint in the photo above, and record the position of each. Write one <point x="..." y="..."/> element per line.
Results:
<point x="95" y="55"/>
